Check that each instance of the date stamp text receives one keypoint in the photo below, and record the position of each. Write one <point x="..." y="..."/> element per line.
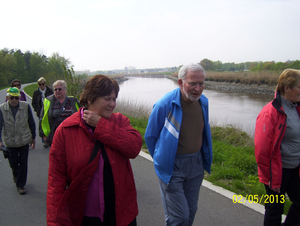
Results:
<point x="256" y="199"/>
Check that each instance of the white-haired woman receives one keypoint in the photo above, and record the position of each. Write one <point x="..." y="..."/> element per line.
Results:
<point x="56" y="109"/>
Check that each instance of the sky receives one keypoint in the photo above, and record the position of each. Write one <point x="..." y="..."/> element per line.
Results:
<point x="113" y="34"/>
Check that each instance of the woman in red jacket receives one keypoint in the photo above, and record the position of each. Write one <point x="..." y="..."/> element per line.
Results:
<point x="86" y="190"/>
<point x="277" y="149"/>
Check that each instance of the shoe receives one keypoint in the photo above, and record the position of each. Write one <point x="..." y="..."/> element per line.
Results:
<point x="15" y="179"/>
<point x="46" y="145"/>
<point x="21" y="190"/>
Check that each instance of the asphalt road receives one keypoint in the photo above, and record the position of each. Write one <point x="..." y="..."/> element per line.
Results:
<point x="215" y="205"/>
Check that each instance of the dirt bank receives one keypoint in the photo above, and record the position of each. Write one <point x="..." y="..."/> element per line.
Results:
<point x="240" y="88"/>
<point x="237" y="87"/>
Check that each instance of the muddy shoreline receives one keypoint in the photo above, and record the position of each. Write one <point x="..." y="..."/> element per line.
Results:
<point x="238" y="87"/>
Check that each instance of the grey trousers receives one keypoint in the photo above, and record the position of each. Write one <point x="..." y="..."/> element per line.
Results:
<point x="180" y="196"/>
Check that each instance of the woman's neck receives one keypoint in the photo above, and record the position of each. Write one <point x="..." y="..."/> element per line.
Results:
<point x="61" y="100"/>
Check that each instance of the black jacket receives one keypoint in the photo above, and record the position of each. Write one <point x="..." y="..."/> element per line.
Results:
<point x="37" y="100"/>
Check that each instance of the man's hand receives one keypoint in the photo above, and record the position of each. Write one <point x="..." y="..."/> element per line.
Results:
<point x="32" y="144"/>
<point x="91" y="118"/>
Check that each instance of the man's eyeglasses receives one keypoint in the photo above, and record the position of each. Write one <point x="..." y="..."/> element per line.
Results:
<point x="58" y="89"/>
<point x="194" y="84"/>
<point x="16" y="85"/>
<point x="11" y="97"/>
<point x="41" y="84"/>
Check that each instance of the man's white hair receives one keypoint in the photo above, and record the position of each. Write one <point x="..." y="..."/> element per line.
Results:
<point x="190" y="67"/>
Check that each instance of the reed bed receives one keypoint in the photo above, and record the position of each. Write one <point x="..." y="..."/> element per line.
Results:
<point x="133" y="109"/>
<point x="244" y="77"/>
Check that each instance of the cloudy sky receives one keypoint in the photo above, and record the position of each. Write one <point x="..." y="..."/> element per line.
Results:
<point x="113" y="34"/>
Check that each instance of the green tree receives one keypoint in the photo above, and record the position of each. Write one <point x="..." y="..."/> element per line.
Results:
<point x="20" y="67"/>
<point x="3" y="75"/>
<point x="207" y="64"/>
<point x="295" y="65"/>
<point x="38" y="66"/>
<point x="7" y="65"/>
<point x="75" y="83"/>
<point x="240" y="67"/>
<point x="217" y="66"/>
<point x="229" y="66"/>
<point x="55" y="69"/>
<point x="27" y="57"/>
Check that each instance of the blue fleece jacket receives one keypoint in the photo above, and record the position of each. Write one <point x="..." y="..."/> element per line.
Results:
<point x="163" y="130"/>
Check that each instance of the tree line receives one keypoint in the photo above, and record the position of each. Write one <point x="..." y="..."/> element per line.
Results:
<point x="30" y="66"/>
<point x="256" y="66"/>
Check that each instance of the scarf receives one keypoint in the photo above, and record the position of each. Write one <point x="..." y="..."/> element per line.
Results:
<point x="43" y="93"/>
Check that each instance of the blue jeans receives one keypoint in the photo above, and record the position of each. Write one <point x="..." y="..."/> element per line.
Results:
<point x="291" y="185"/>
<point x="180" y="196"/>
<point x="18" y="162"/>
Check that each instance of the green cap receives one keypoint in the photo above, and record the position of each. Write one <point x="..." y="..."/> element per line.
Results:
<point x="13" y="91"/>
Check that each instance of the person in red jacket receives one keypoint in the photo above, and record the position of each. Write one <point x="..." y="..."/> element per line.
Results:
<point x="277" y="149"/>
<point x="102" y="191"/>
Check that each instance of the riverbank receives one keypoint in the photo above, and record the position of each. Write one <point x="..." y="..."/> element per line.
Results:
<point x="224" y="86"/>
<point x="240" y="88"/>
<point x="236" y="87"/>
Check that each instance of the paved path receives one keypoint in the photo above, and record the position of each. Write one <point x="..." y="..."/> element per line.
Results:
<point x="215" y="204"/>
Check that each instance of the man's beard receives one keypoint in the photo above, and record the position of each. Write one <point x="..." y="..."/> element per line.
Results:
<point x="190" y="96"/>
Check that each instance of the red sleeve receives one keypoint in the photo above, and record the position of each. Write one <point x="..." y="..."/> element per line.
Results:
<point x="269" y="131"/>
<point x="57" y="175"/>
<point x="263" y="146"/>
<point x="117" y="133"/>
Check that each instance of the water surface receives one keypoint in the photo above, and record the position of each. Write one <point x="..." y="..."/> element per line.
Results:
<point x="238" y="109"/>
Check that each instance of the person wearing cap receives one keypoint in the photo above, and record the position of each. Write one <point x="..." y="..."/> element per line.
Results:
<point x="39" y="95"/>
<point x="17" y="83"/>
<point x="17" y="133"/>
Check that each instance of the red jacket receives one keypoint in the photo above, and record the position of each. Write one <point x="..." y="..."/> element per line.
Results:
<point x="269" y="131"/>
<point x="68" y="166"/>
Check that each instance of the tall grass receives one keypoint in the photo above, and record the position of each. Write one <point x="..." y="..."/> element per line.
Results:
<point x="133" y="108"/>
<point x="269" y="78"/>
<point x="30" y="89"/>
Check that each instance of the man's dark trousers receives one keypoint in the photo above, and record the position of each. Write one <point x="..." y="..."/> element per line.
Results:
<point x="18" y="162"/>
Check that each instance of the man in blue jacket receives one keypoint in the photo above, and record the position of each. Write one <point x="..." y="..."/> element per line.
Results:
<point x="178" y="138"/>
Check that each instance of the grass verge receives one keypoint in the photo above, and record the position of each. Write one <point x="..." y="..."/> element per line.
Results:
<point x="234" y="166"/>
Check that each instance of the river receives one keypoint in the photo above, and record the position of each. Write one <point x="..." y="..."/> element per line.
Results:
<point x="237" y="109"/>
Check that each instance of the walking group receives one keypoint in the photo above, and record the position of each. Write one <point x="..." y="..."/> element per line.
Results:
<point x="90" y="179"/>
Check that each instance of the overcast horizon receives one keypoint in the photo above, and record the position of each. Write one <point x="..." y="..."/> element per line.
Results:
<point x="114" y="34"/>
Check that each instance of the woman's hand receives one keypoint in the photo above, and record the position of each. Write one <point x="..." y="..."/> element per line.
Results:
<point x="45" y="140"/>
<point x="277" y="190"/>
<point x="91" y="118"/>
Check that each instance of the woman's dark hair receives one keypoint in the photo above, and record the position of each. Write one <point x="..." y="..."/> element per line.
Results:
<point x="15" y="80"/>
<point x="98" y="86"/>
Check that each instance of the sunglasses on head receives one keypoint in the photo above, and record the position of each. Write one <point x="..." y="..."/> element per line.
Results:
<point x="41" y="84"/>
<point x="58" y="89"/>
<point x="12" y="97"/>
